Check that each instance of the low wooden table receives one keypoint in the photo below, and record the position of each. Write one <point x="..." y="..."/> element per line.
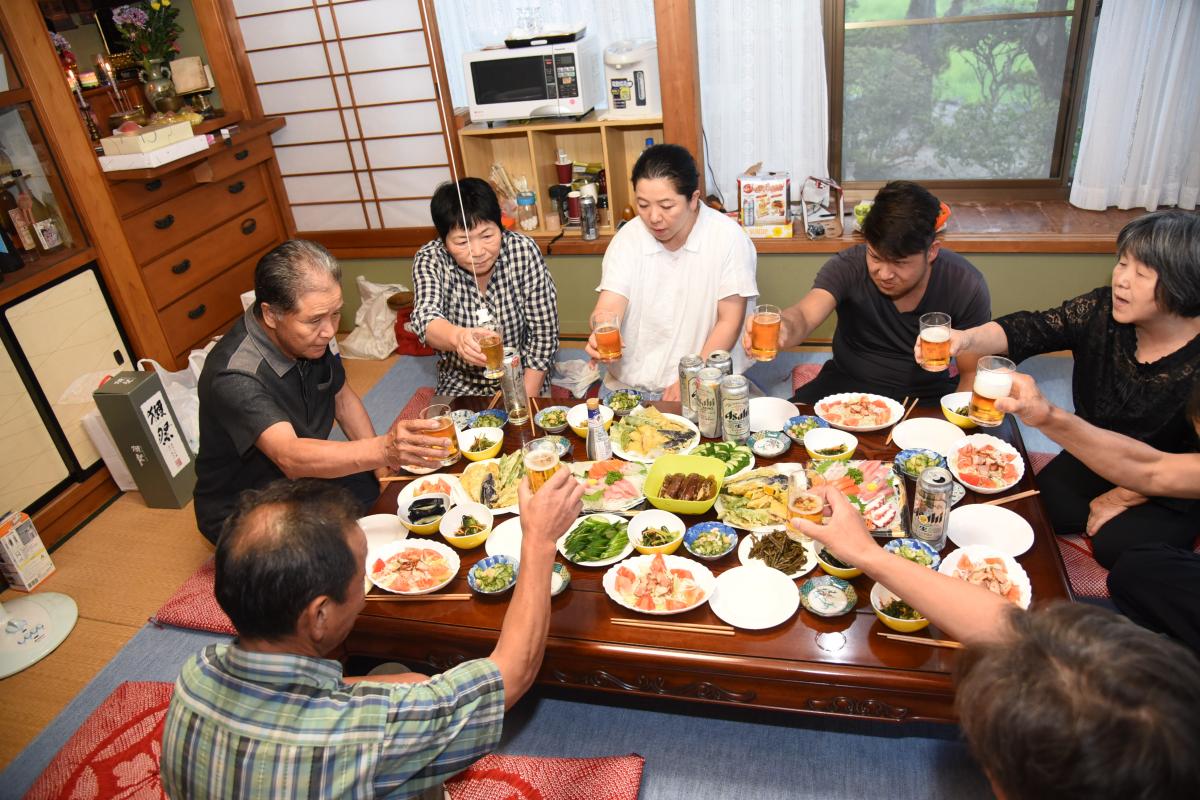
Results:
<point x="810" y="664"/>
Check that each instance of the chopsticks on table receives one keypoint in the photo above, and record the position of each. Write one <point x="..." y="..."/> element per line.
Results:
<point x="399" y="478"/>
<point x="533" y="413"/>
<point x="899" y="637"/>
<point x="492" y="404"/>
<point x="907" y="411"/>
<point x="407" y="598"/>
<point x="679" y="627"/>
<point x="1018" y="496"/>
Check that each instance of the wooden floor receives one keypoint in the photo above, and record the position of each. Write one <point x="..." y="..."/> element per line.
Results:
<point x="119" y="568"/>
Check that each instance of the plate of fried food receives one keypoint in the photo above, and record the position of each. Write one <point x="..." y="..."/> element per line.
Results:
<point x="647" y="433"/>
<point x="756" y="500"/>
<point x="859" y="412"/>
<point x="493" y="482"/>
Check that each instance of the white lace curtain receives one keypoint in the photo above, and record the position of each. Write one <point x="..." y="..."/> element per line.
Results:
<point x="1140" y="145"/>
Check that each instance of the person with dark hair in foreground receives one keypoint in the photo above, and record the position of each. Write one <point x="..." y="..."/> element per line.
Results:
<point x="271" y="390"/>
<point x="1066" y="701"/>
<point x="679" y="277"/>
<point x="271" y="715"/>
<point x="1136" y="346"/>
<point x="474" y="271"/>
<point x="880" y="290"/>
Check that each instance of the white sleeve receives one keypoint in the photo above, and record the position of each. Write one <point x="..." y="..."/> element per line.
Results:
<point x="620" y="263"/>
<point x="738" y="273"/>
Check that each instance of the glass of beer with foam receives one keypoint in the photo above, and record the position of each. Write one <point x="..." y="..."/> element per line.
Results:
<point x="801" y="503"/>
<point x="440" y="412"/>
<point x="993" y="380"/>
<point x="491" y="342"/>
<point x="764" y="332"/>
<point x="935" y="341"/>
<point x="606" y="327"/>
<point x="541" y="461"/>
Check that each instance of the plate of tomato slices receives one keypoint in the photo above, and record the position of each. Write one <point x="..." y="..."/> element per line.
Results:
<point x="659" y="584"/>
<point x="859" y="412"/>
<point x="986" y="464"/>
<point x="407" y="567"/>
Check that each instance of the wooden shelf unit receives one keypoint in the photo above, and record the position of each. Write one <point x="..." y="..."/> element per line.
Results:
<point x="529" y="150"/>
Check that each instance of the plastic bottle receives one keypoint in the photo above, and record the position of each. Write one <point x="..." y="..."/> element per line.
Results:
<point x="599" y="448"/>
<point x="527" y="216"/>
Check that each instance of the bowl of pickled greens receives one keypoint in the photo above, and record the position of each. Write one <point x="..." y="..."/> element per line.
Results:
<point x="623" y="401"/>
<point x="915" y="460"/>
<point x="656" y="531"/>
<point x="493" y="575"/>
<point x="796" y="427"/>
<point x="710" y="540"/>
<point x="552" y="419"/>
<point x="894" y="612"/>
<point x="916" y="551"/>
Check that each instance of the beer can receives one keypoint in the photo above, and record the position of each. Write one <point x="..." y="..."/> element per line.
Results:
<point x="512" y="385"/>
<point x="931" y="506"/>
<point x="689" y="367"/>
<point x="722" y="360"/>
<point x="708" y="402"/>
<point x="587" y="218"/>
<point x="748" y="212"/>
<point x="735" y="408"/>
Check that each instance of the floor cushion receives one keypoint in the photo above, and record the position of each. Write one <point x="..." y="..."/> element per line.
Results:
<point x="504" y="777"/>
<point x="194" y="605"/>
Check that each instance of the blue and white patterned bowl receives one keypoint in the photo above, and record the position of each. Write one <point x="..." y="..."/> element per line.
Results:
<point x="827" y="596"/>
<point x="498" y="413"/>
<point x="491" y="561"/>
<point x="895" y="546"/>
<point x="634" y="393"/>
<point x="564" y="575"/>
<point x="693" y="533"/>
<point x="938" y="459"/>
<point x="803" y="418"/>
<point x="541" y="415"/>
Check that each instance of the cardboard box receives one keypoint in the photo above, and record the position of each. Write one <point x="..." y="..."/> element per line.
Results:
<point x="769" y="194"/>
<point x="23" y="558"/>
<point x="147" y="433"/>
<point x="152" y="137"/>
<point x="154" y="158"/>
<point x="782" y="231"/>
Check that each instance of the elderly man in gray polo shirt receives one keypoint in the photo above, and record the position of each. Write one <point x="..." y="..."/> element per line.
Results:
<point x="271" y="390"/>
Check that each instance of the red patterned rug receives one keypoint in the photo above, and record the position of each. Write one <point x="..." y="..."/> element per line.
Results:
<point x="803" y="373"/>
<point x="418" y="403"/>
<point x="500" y="777"/>
<point x="115" y="753"/>
<point x="1087" y="577"/>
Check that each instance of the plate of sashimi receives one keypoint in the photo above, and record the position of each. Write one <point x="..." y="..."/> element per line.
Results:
<point x="611" y="485"/>
<point x="871" y="486"/>
<point x="659" y="584"/>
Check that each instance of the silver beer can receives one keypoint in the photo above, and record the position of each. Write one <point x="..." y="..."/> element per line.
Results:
<point x="722" y="360"/>
<point x="708" y="402"/>
<point x="931" y="506"/>
<point x="689" y="367"/>
<point x="588" y="220"/>
<point x="735" y="408"/>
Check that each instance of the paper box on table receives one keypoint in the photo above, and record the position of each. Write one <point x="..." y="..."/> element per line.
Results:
<point x="149" y="138"/>
<point x="154" y="158"/>
<point x="147" y="433"/>
<point x="770" y="195"/>
<point x="23" y="558"/>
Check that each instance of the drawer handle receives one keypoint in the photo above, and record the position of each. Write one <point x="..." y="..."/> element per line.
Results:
<point x="242" y="155"/>
<point x="249" y="226"/>
<point x="165" y="222"/>
<point x="197" y="312"/>
<point x="182" y="266"/>
<point x="235" y="188"/>
<point x="154" y="185"/>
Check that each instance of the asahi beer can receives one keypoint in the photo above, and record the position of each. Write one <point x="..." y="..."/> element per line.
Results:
<point x="735" y="408"/>
<point x="708" y="402"/>
<point x="722" y="360"/>
<point x="587" y="218"/>
<point x="931" y="506"/>
<point x="689" y="367"/>
<point x="748" y="212"/>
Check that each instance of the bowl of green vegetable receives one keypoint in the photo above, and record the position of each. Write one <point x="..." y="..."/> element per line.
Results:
<point x="491" y="418"/>
<point x="552" y="419"/>
<point x="738" y="458"/>
<point x="894" y="612"/>
<point x="623" y="401"/>
<point x="710" y="540"/>
<point x="915" y="460"/>
<point x="796" y="427"/>
<point x="915" y="550"/>
<point x="956" y="407"/>
<point x="479" y="444"/>
<point x="493" y="575"/>
<point x="596" y="540"/>
<point x="467" y="525"/>
<point x="830" y="444"/>
<point x="656" y="531"/>
<point x="835" y="566"/>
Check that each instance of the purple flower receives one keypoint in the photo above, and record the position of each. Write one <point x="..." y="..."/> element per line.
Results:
<point x="132" y="16"/>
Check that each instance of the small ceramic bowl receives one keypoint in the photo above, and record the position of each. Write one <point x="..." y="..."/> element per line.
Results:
<point x="769" y="444"/>
<point x="655" y="518"/>
<point x="915" y="550"/>
<point x="428" y="527"/>
<point x="932" y="459"/>
<point x="577" y="418"/>
<point x="488" y="563"/>
<point x="951" y="402"/>
<point x="819" y="439"/>
<point x="880" y="597"/>
<point x="559" y="580"/>
<point x="562" y="443"/>
<point x="493" y="437"/>
<point x="540" y="419"/>
<point x="843" y="572"/>
<point x="798" y="426"/>
<point x="827" y="596"/>
<point x="462" y="418"/>
<point x="454" y="519"/>
<point x="627" y="406"/>
<point x="696" y="531"/>
<point x="478" y="420"/>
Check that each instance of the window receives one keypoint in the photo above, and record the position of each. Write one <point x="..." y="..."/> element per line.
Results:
<point x="965" y="91"/>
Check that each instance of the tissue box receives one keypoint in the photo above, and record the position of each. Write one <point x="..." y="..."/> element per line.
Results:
<point x="151" y="138"/>
<point x="769" y="194"/>
<point x="23" y="558"/>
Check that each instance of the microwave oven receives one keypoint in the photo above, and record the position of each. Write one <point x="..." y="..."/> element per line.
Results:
<point x="549" y="80"/>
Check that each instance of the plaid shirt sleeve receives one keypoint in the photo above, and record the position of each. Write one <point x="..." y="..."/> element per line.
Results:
<point x="429" y="289"/>
<point x="539" y="306"/>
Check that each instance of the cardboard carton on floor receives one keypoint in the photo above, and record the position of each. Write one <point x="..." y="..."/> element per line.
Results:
<point x="23" y="558"/>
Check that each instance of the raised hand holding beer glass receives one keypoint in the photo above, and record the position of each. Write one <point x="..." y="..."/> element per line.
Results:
<point x="606" y="335"/>
<point x="801" y="504"/>
<point x="541" y="461"/>
<point x="993" y="380"/>
<point x="445" y="430"/>
<point x="764" y="332"/>
<point x="490" y="337"/>
<point x="934" y="341"/>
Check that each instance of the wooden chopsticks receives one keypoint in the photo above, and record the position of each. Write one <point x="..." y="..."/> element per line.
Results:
<point x="1018" y="496"/>
<point x="678" y="627"/>
<point x="399" y="478"/>
<point x="533" y="413"/>
<point x="899" y="637"/>
<point x="907" y="411"/>
<point x="495" y="399"/>
<point x="403" y="598"/>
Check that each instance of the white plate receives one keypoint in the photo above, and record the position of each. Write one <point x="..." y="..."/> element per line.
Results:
<point x="702" y="575"/>
<point x="505" y="539"/>
<point x="445" y="551"/>
<point x="457" y="493"/>
<point x="810" y="557"/>
<point x="978" y="552"/>
<point x="754" y="598"/>
<point x="896" y="409"/>
<point x="621" y="452"/>
<point x="381" y="531"/>
<point x="979" y="440"/>
<point x="562" y="540"/>
<point x="1000" y="528"/>
<point x="770" y="413"/>
<point x="932" y="434"/>
<point x="513" y="509"/>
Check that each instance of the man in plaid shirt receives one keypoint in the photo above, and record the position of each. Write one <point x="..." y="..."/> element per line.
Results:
<point x="271" y="716"/>
<point x="481" y="268"/>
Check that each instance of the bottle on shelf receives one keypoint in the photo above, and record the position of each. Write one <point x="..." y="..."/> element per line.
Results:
<point x="599" y="448"/>
<point x="8" y="204"/>
<point x="24" y="238"/>
<point x="37" y="214"/>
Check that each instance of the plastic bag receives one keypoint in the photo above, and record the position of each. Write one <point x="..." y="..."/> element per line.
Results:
<point x="97" y="431"/>
<point x="181" y="388"/>
<point x="374" y="335"/>
<point x="576" y="374"/>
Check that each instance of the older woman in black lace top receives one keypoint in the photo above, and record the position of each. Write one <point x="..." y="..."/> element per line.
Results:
<point x="1137" y="353"/>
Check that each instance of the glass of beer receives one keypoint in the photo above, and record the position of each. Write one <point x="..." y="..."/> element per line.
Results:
<point x="541" y="461"/>
<point x="491" y="342"/>
<point x="935" y="341"/>
<point x="801" y="503"/>
<point x="764" y="332"/>
<point x="606" y="327"/>
<point x="445" y="430"/>
<point x="993" y="380"/>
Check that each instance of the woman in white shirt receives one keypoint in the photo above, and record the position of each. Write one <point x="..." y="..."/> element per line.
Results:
<point x="680" y="276"/>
